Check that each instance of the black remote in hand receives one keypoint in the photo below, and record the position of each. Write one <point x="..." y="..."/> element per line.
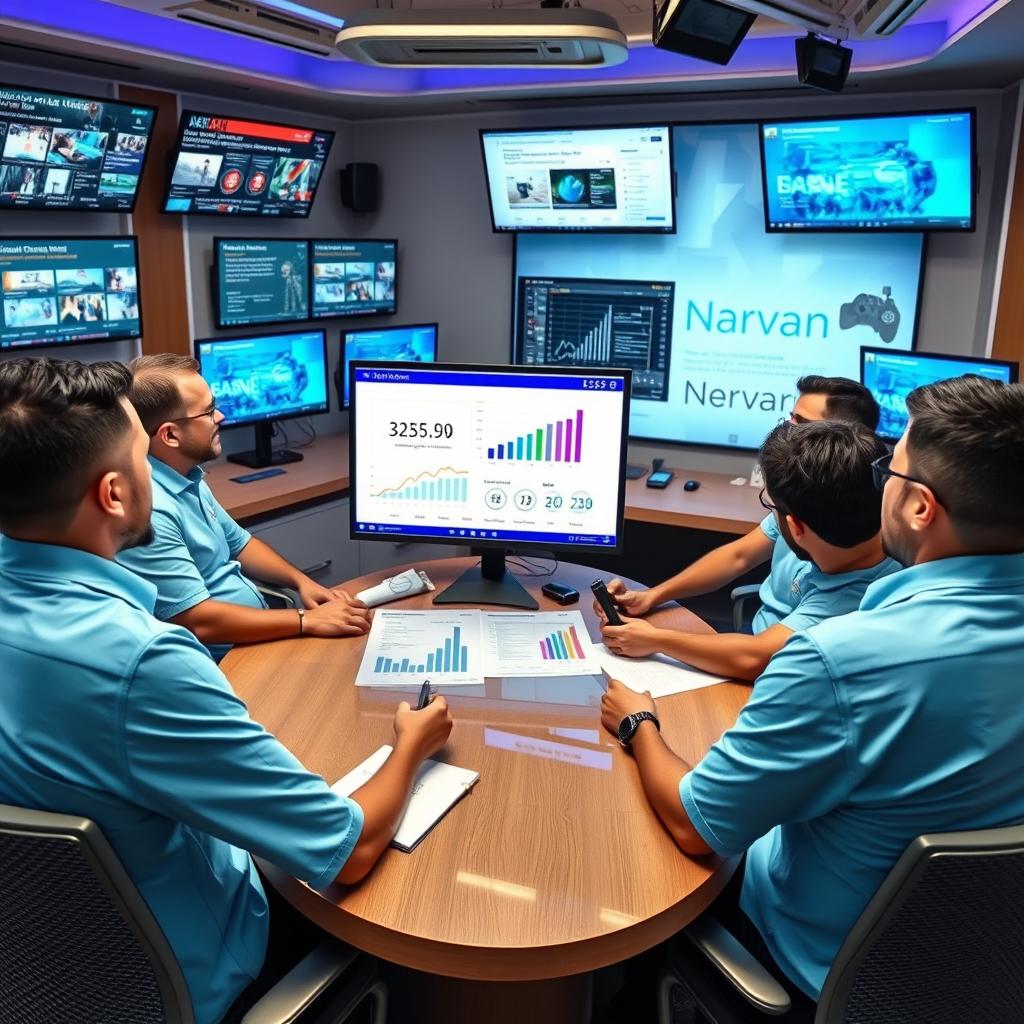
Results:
<point x="608" y="605"/>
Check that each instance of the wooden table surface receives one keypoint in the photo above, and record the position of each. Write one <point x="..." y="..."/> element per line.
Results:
<point x="324" y="472"/>
<point x="554" y="863"/>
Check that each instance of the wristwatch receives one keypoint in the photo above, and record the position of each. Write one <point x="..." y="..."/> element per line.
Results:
<point x="629" y="725"/>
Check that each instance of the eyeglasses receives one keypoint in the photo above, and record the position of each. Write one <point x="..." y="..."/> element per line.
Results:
<point x="794" y="419"/>
<point x="211" y="412"/>
<point x="765" y="503"/>
<point x="880" y="471"/>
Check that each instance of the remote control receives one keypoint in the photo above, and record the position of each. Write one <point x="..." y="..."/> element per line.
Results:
<point x="249" y="478"/>
<point x="607" y="603"/>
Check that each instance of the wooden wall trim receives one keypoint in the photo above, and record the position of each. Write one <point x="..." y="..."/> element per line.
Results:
<point x="162" y="267"/>
<point x="1008" y="339"/>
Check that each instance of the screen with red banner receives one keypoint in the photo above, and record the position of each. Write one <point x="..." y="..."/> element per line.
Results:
<point x="228" y="165"/>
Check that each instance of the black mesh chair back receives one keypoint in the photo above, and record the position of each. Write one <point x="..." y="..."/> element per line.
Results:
<point x="942" y="941"/>
<point x="77" y="942"/>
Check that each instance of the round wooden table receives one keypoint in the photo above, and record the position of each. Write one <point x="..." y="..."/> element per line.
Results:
<point x="552" y="866"/>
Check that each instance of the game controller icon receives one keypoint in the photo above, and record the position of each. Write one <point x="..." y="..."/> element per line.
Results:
<point x="880" y="314"/>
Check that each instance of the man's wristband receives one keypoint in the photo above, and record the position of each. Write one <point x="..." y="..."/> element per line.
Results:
<point x="302" y="621"/>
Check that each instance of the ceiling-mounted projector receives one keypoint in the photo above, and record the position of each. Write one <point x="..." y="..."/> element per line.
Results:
<point x="552" y="37"/>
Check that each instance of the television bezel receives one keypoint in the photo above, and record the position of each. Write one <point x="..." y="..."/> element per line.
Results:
<point x="216" y="281"/>
<point x="356" y="312"/>
<point x="342" y="376"/>
<point x="255" y="421"/>
<point x="174" y="152"/>
<point x="484" y="542"/>
<point x="1012" y="365"/>
<point x="972" y="112"/>
<point x="142" y="167"/>
<point x="134" y="239"/>
<point x="670" y="230"/>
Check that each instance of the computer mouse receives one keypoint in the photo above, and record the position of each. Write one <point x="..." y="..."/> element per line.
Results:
<point x="691" y="485"/>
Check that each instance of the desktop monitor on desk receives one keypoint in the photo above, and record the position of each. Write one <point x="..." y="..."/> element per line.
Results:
<point x="891" y="376"/>
<point x="259" y="379"/>
<point x="501" y="458"/>
<point x="413" y="343"/>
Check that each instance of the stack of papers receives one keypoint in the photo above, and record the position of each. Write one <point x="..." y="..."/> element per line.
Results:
<point x="658" y="673"/>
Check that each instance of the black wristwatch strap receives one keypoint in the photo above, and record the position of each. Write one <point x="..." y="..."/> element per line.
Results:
<point x="629" y="725"/>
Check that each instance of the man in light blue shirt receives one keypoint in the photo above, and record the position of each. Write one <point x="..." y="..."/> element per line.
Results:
<point x="898" y="719"/>
<point x="200" y="558"/>
<point x="109" y="713"/>
<point x="827" y="513"/>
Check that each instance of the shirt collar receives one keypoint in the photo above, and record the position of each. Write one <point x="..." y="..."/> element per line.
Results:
<point x="836" y="581"/>
<point x="965" y="572"/>
<point x="171" y="480"/>
<point x="61" y="564"/>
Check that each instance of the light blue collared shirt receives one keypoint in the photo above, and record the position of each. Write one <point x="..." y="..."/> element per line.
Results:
<point x="797" y="594"/>
<point x="193" y="555"/>
<point x="109" y="713"/>
<point x="864" y="732"/>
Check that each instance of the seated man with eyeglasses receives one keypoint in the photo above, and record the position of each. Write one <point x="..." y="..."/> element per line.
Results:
<point x="821" y="502"/>
<point x="900" y="719"/>
<point x="200" y="558"/>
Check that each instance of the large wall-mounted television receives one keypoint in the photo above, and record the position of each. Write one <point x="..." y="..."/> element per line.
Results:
<point x="260" y="280"/>
<point x="68" y="291"/>
<point x="61" y="151"/>
<point x="243" y="168"/>
<point x="891" y="376"/>
<point x="580" y="179"/>
<point x="718" y="320"/>
<point x="353" y="278"/>
<point x="898" y="172"/>
<point x="407" y="343"/>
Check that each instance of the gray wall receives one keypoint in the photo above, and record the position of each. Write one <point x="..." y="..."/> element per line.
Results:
<point x="457" y="271"/>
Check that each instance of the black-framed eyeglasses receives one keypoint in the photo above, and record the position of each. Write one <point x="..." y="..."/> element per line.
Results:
<point x="794" y="419"/>
<point x="765" y="503"/>
<point x="211" y="412"/>
<point x="880" y="472"/>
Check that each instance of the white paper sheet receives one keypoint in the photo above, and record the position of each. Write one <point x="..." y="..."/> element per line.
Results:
<point x="658" y="673"/>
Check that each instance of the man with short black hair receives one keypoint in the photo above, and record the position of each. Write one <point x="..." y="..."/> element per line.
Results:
<point x="818" y="488"/>
<point x="868" y="730"/>
<point x="200" y="560"/>
<point x="821" y="398"/>
<point x="108" y="713"/>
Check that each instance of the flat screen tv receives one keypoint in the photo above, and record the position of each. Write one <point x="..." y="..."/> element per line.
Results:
<point x="243" y="168"/>
<point x="898" y="172"/>
<point x="68" y="291"/>
<point x="260" y="280"/>
<point x="61" y="151"/>
<point x="581" y="179"/>
<point x="353" y="278"/>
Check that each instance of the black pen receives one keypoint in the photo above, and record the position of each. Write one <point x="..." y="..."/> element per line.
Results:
<point x="425" y="695"/>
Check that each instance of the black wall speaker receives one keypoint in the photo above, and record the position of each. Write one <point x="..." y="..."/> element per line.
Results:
<point x="822" y="63"/>
<point x="705" y="29"/>
<point x="360" y="187"/>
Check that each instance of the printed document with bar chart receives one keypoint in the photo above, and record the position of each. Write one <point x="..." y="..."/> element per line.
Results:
<point x="537" y="644"/>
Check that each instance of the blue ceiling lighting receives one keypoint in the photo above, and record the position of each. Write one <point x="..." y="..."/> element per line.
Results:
<point x="305" y="12"/>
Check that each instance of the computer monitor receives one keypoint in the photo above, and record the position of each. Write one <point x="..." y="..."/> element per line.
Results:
<point x="259" y="379"/>
<point x="260" y="281"/>
<point x="411" y="343"/>
<point x="891" y="376"/>
<point x="501" y="458"/>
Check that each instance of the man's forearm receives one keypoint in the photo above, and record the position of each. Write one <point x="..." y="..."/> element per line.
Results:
<point x="260" y="561"/>
<point x="734" y="655"/>
<point x="218" y="622"/>
<point x="661" y="772"/>
<point x="713" y="570"/>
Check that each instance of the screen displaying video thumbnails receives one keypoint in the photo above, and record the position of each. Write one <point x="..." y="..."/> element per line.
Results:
<point x="353" y="278"/>
<point x="261" y="281"/>
<point x="67" y="291"/>
<point x="59" y="151"/>
<point x="225" y="165"/>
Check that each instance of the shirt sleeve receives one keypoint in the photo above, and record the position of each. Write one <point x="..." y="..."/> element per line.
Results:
<point x="168" y="564"/>
<point x="816" y="607"/>
<point x="193" y="754"/>
<point x="786" y="759"/>
<point x="236" y="537"/>
<point x="770" y="528"/>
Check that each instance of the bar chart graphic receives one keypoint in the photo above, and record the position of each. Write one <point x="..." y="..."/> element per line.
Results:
<point x="562" y="645"/>
<point x="450" y="656"/>
<point x="445" y="484"/>
<point x="405" y="648"/>
<point x="559" y="441"/>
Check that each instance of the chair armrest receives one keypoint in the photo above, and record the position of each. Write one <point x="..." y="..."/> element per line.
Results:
<point x="739" y="597"/>
<point x="738" y="966"/>
<point x="286" y="597"/>
<point x="309" y="979"/>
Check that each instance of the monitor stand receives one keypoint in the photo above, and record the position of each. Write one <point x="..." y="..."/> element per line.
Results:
<point x="263" y="455"/>
<point x="490" y="582"/>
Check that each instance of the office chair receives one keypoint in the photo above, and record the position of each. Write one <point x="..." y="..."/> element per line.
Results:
<point x="276" y="597"/>
<point x="739" y="597"/>
<point x="940" y="942"/>
<point x="78" y="942"/>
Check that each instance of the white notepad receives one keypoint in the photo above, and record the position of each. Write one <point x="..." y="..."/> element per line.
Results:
<point x="438" y="787"/>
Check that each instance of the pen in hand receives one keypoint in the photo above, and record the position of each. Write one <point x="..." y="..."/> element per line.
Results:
<point x="425" y="695"/>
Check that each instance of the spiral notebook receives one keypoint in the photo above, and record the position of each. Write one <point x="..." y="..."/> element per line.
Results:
<point x="437" y="788"/>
